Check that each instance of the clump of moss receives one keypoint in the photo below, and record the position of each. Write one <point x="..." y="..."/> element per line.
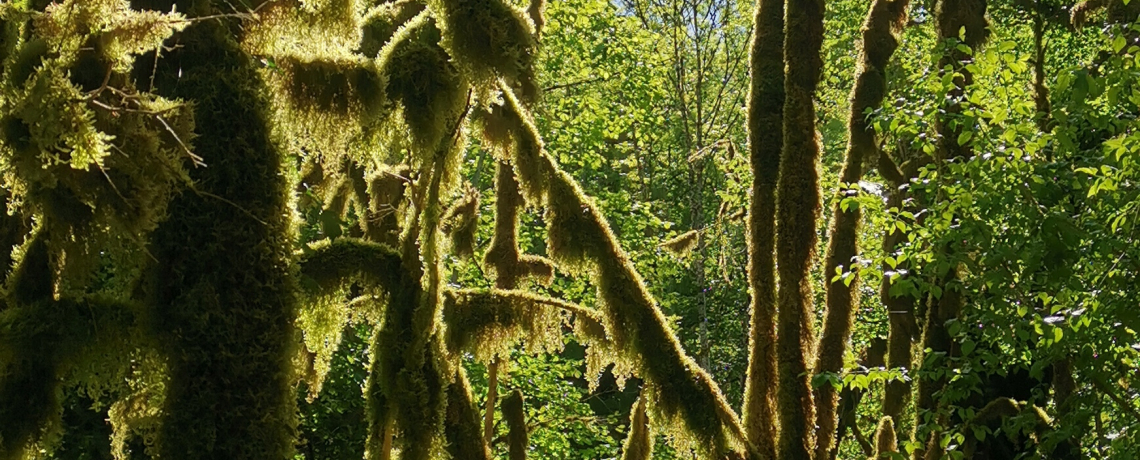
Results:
<point x="423" y="80"/>
<point x="43" y="345"/>
<point x="341" y="87"/>
<point x="382" y="22"/>
<point x="329" y="273"/>
<point x="503" y="260"/>
<point x="639" y="442"/>
<point x="462" y="430"/>
<point x="515" y="415"/>
<point x="885" y="442"/>
<point x="491" y="39"/>
<point x="460" y="222"/>
<point x="489" y="323"/>
<point x="682" y="245"/>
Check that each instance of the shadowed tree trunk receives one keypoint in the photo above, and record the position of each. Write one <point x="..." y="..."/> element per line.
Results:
<point x="964" y="21"/>
<point x="228" y="325"/>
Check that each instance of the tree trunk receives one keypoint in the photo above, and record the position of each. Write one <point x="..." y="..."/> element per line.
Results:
<point x="765" y="138"/>
<point x="797" y="213"/>
<point x="222" y="293"/>
<point x="884" y="20"/>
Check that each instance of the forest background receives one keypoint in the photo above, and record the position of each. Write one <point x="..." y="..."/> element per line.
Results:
<point x="645" y="103"/>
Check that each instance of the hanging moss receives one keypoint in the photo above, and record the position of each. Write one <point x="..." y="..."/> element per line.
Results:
<point x="491" y="39"/>
<point x="309" y="29"/>
<point x="44" y="344"/>
<point x="639" y="442"/>
<point x="329" y="271"/>
<point x="682" y="245"/>
<point x="422" y="79"/>
<point x="382" y="22"/>
<point x="464" y="436"/>
<point x="503" y="261"/>
<point x="515" y="415"/>
<point x="68" y="151"/>
<point x="885" y="442"/>
<point x="765" y="138"/>
<point x="686" y="401"/>
<point x="340" y="87"/>
<point x="226" y="328"/>
<point x="885" y="20"/>
<point x="489" y="323"/>
<point x="460" y="222"/>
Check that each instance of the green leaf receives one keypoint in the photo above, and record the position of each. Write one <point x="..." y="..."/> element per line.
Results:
<point x="965" y="137"/>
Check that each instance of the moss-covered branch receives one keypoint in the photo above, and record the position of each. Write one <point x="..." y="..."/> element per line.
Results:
<point x="515" y="415"/>
<point x="489" y="323"/>
<point x="884" y="22"/>
<point x="686" y="400"/>
<point x="42" y="344"/>
<point x="461" y="426"/>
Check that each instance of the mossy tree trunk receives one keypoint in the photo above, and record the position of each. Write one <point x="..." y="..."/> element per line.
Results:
<point x="223" y="295"/>
<point x="885" y="20"/>
<point x="765" y="138"/>
<point x="797" y="212"/>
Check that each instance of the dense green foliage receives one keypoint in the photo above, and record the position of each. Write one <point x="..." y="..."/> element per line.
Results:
<point x="419" y="229"/>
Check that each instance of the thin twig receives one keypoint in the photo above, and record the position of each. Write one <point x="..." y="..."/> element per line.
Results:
<point x="197" y="160"/>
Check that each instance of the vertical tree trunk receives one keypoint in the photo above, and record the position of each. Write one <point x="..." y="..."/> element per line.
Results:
<point x="765" y="138"/>
<point x="962" y="20"/>
<point x="797" y="213"/>
<point x="884" y="20"/>
<point x="223" y="293"/>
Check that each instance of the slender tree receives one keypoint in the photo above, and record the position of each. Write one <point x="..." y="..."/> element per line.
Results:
<point x="884" y="22"/>
<point x="797" y="212"/>
<point x="765" y="132"/>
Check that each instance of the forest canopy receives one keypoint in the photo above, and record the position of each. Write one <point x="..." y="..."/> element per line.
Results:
<point x="576" y="229"/>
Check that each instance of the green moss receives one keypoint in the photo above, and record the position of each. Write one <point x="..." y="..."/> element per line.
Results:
<point x="422" y="79"/>
<point x="329" y="273"/>
<point x="489" y="323"/>
<point x="765" y="139"/>
<point x="515" y="415"/>
<point x="639" y="442"/>
<point x="884" y="21"/>
<point x="44" y="344"/>
<point x="686" y="402"/>
<point x="462" y="431"/>
<point x="682" y="245"/>
<point x="382" y="22"/>
<point x="491" y="39"/>
<point x="29" y="57"/>
<point x="885" y="442"/>
<point x="226" y="329"/>
<point x="340" y="87"/>
<point x="460" y="222"/>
